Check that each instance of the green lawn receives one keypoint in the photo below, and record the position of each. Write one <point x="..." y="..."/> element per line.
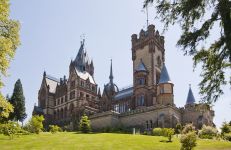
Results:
<point x="101" y="141"/>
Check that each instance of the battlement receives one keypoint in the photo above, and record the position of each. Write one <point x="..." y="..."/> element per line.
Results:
<point x="146" y="37"/>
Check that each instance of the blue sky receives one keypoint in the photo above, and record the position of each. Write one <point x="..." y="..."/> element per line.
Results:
<point x="50" y="38"/>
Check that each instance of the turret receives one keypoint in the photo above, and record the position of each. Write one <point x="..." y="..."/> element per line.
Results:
<point x="190" y="98"/>
<point x="165" y="88"/>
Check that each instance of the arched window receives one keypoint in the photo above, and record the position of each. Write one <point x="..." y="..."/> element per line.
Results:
<point x="140" y="100"/>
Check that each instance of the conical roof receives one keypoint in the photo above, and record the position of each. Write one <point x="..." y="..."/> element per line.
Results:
<point x="141" y="66"/>
<point x="164" y="77"/>
<point x="190" y="98"/>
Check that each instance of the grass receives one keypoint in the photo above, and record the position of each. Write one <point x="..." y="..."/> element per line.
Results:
<point x="102" y="141"/>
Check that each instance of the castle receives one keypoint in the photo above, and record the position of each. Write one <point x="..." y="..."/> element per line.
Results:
<point x="149" y="103"/>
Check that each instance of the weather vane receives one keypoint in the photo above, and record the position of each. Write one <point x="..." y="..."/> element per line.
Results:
<point x="82" y="37"/>
<point x="146" y="11"/>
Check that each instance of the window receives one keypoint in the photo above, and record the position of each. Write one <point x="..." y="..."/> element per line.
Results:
<point x="72" y="84"/>
<point x="93" y="88"/>
<point x="140" y="100"/>
<point x="162" y="90"/>
<point x="140" y="81"/>
<point x="82" y="83"/>
<point x="58" y="101"/>
<point x="81" y="94"/>
<point x="72" y="95"/>
<point x="54" y="102"/>
<point x="65" y="98"/>
<point x="61" y="100"/>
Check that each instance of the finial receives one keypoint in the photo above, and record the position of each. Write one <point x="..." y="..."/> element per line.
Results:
<point x="111" y="73"/>
<point x="189" y="85"/>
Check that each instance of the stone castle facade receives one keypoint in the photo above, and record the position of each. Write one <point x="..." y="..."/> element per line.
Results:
<point x="149" y="103"/>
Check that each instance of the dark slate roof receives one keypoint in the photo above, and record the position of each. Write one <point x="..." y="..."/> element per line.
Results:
<point x="38" y="110"/>
<point x="124" y="93"/>
<point x="190" y="98"/>
<point x="52" y="78"/>
<point x="164" y="77"/>
<point x="82" y="58"/>
<point x="141" y="66"/>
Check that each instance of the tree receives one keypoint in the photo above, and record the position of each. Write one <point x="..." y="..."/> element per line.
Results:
<point x="35" y="124"/>
<point x="5" y="109"/>
<point x="18" y="101"/>
<point x="216" y="59"/>
<point x="188" y="141"/>
<point x="168" y="132"/>
<point x="84" y="124"/>
<point x="178" y="128"/>
<point x="9" y="41"/>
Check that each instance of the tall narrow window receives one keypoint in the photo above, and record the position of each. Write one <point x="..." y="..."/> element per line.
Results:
<point x="140" y="100"/>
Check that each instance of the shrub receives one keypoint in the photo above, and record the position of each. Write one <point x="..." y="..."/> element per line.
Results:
<point x="84" y="124"/>
<point x="157" y="132"/>
<point x="178" y="128"/>
<point x="227" y="136"/>
<point x="54" y="129"/>
<point x="226" y="128"/>
<point x="188" y="128"/>
<point x="35" y="124"/>
<point x="10" y="129"/>
<point x="207" y="132"/>
<point x="188" y="141"/>
<point x="168" y="132"/>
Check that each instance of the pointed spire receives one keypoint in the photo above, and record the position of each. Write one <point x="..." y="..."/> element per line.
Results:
<point x="190" y="98"/>
<point x="44" y="73"/>
<point x="111" y="74"/>
<point x="164" y="77"/>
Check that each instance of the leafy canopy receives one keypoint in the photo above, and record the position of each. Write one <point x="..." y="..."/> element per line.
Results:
<point x="216" y="59"/>
<point x="9" y="41"/>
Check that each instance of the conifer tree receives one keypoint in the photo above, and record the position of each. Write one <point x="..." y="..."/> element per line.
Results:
<point x="18" y="102"/>
<point x="84" y="124"/>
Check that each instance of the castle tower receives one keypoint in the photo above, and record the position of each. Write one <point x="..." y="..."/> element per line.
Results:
<point x="147" y="52"/>
<point x="165" y="88"/>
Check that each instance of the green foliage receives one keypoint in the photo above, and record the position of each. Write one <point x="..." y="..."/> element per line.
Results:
<point x="227" y="136"/>
<point x="188" y="141"/>
<point x="168" y="132"/>
<point x="10" y="129"/>
<point x="226" y="128"/>
<point x="197" y="24"/>
<point x="178" y="128"/>
<point x="35" y="124"/>
<point x="9" y="38"/>
<point x="207" y="132"/>
<point x="5" y="108"/>
<point x="84" y="125"/>
<point x="9" y="41"/>
<point x="188" y="128"/>
<point x="157" y="132"/>
<point x="54" y="129"/>
<point x="18" y="101"/>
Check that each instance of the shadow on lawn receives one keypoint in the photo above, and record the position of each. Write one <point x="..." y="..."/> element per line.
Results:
<point x="165" y="141"/>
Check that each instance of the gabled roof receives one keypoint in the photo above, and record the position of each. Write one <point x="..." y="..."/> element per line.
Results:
<point x="164" y="77"/>
<point x="141" y="66"/>
<point x="52" y="82"/>
<point x="190" y="98"/>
